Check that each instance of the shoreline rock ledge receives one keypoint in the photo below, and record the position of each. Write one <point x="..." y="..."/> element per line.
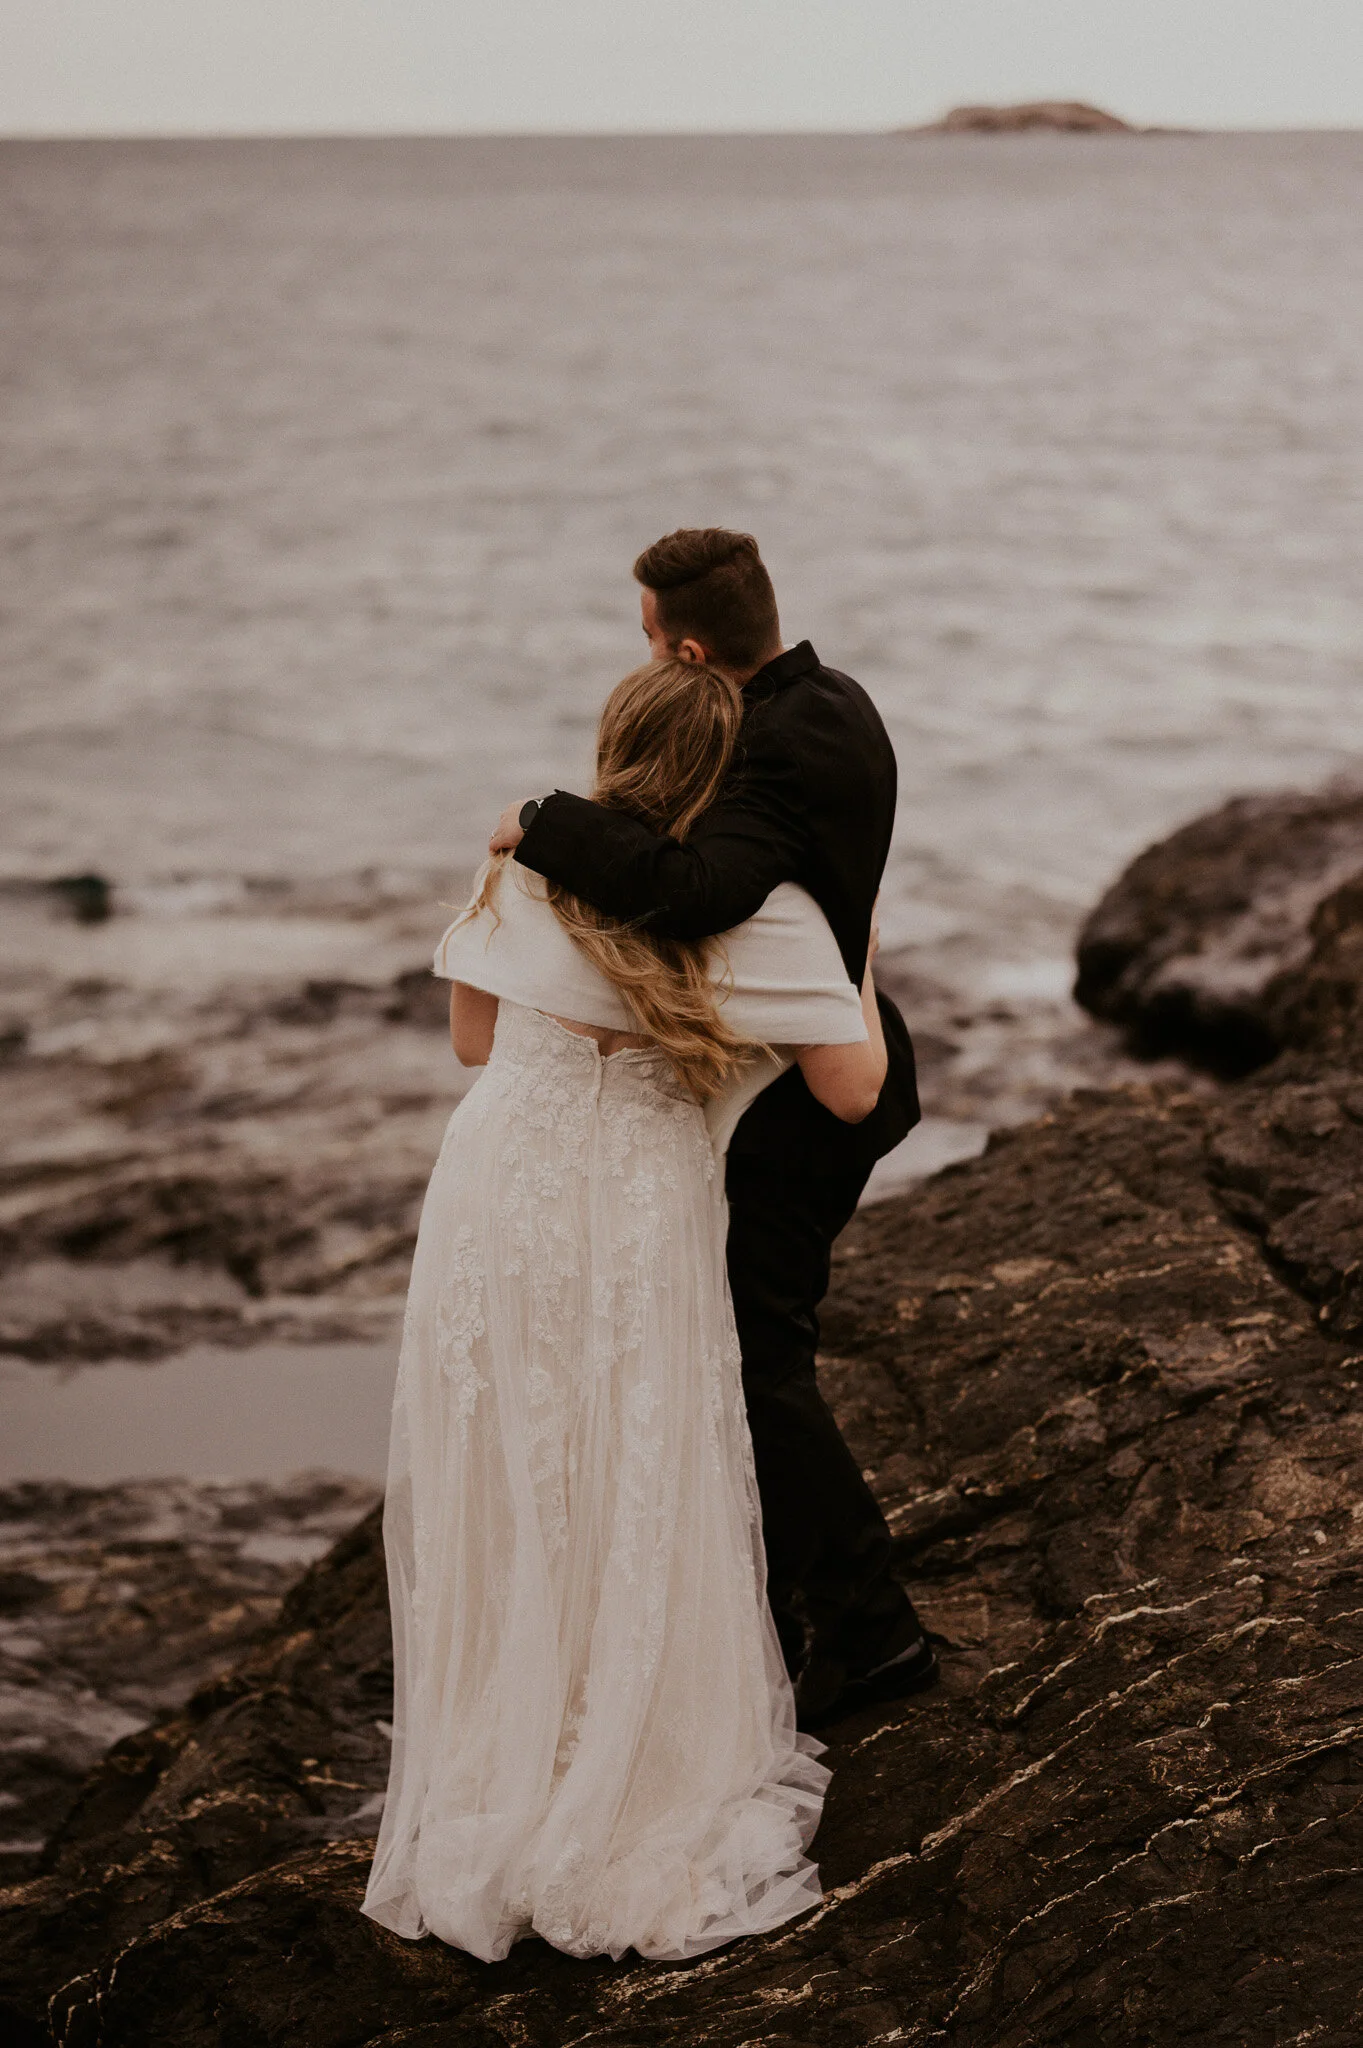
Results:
<point x="1106" y="1381"/>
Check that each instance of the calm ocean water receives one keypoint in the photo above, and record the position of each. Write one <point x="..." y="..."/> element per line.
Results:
<point x="324" y="464"/>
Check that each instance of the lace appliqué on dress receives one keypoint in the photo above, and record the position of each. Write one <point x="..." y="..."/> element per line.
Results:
<point x="460" y="1321"/>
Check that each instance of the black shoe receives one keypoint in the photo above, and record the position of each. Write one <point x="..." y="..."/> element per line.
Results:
<point x="827" y="1691"/>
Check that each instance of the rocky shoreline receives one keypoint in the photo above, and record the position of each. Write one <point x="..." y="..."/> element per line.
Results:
<point x="1106" y="1380"/>
<point x="117" y="1603"/>
<point x="222" y="1110"/>
<point x="222" y="1098"/>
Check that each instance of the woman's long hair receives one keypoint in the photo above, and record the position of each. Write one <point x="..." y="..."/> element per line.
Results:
<point x="665" y="743"/>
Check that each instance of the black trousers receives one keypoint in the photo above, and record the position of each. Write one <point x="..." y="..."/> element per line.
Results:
<point x="828" y="1546"/>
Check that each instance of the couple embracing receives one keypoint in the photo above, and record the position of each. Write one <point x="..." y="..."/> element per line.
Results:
<point x="632" y="1563"/>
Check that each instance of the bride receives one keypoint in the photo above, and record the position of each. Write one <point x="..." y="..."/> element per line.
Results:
<point x="594" y="1735"/>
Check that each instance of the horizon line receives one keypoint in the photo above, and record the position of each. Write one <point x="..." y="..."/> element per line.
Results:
<point x="1135" y="131"/>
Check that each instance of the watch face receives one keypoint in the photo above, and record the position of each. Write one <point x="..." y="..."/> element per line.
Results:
<point x="529" y="812"/>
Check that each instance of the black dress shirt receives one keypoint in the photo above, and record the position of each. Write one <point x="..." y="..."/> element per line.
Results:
<point x="810" y="799"/>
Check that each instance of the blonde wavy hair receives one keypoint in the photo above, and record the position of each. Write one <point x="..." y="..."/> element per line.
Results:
<point x="664" y="745"/>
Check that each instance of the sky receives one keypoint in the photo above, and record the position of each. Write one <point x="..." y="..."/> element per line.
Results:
<point x="148" y="67"/>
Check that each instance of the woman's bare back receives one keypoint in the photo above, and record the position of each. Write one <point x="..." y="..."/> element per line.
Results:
<point x="608" y="1041"/>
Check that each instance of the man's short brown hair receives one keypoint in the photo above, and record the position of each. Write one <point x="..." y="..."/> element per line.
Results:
<point x="712" y="586"/>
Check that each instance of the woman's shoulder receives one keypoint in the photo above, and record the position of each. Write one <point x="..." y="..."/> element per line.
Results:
<point x="784" y="976"/>
<point x="511" y="944"/>
<point x="506" y="912"/>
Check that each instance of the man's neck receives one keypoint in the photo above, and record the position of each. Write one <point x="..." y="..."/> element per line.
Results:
<point x="765" y="662"/>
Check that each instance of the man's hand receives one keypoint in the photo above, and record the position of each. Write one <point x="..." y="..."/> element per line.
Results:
<point x="508" y="833"/>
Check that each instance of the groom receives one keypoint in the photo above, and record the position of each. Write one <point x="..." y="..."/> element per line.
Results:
<point x="810" y="800"/>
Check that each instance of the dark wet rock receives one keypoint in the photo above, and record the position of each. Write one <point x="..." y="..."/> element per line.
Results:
<point x="419" y="997"/>
<point x="1315" y="1008"/>
<point x="281" y="1752"/>
<point x="261" y="1178"/>
<point x="1197" y="948"/>
<point x="1105" y="1379"/>
<point x="89" y="898"/>
<point x="1110" y="1871"/>
<point x="118" y="1602"/>
<point x="1288" y="1163"/>
<point x="317" y="1002"/>
<point x="1121" y="1455"/>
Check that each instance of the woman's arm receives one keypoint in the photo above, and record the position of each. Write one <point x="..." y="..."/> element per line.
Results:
<point x="848" y="1078"/>
<point x="473" y="1019"/>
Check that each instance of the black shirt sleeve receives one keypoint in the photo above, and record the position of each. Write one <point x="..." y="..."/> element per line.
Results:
<point x="752" y="838"/>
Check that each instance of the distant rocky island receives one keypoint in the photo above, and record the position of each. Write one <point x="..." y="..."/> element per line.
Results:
<point x="1066" y="117"/>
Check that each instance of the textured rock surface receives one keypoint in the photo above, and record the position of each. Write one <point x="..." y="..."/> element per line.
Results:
<point x="1106" y="1380"/>
<point x="1122" y="1457"/>
<point x="1315" y="1008"/>
<point x="1189" y="948"/>
<point x="203" y="1143"/>
<point x="118" y="1602"/>
<point x="285" y="1751"/>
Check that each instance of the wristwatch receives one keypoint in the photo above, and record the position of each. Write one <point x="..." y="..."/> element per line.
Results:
<point x="528" y="813"/>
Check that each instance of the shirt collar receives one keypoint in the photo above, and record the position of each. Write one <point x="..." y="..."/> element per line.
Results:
<point x="800" y="660"/>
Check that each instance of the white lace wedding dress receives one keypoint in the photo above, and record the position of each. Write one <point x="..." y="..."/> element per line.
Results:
<point x="594" y="1736"/>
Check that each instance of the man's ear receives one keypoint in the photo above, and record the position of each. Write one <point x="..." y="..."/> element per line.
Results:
<point x="692" y="651"/>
